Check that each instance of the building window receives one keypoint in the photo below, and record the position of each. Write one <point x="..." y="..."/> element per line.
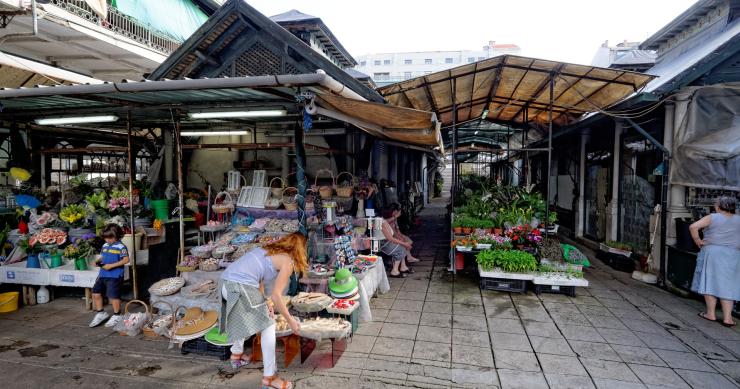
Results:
<point x="63" y="166"/>
<point x="381" y="76"/>
<point x="406" y="75"/>
<point x="471" y="59"/>
<point x="448" y="60"/>
<point x="481" y="58"/>
<point x="376" y="62"/>
<point x="363" y="63"/>
<point x="387" y="62"/>
<point x="428" y="61"/>
<point x="408" y="61"/>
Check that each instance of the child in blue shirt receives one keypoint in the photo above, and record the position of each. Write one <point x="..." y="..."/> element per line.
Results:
<point x="113" y="257"/>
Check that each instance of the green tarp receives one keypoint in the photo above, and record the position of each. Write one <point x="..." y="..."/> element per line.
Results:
<point x="176" y="18"/>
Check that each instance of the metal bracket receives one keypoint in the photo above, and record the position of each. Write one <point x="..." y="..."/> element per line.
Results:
<point x="5" y="20"/>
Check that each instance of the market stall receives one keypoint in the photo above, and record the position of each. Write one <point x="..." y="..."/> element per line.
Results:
<point x="513" y="239"/>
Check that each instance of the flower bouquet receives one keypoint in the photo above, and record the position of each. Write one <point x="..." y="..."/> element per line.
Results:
<point x="74" y="215"/>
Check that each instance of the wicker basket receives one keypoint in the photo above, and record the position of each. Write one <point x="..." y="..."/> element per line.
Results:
<point x="147" y="330"/>
<point x="290" y="202"/>
<point x="209" y="266"/>
<point x="225" y="206"/>
<point x="277" y="192"/>
<point x="325" y="191"/>
<point x="345" y="191"/>
<point x="125" y="312"/>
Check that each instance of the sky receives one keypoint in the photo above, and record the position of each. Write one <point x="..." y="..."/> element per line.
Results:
<point x="560" y="30"/>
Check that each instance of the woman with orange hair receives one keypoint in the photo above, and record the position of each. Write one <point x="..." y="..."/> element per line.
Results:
<point x="245" y="309"/>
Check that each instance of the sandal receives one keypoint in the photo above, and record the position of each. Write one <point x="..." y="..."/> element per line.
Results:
<point x="267" y="383"/>
<point x="236" y="363"/>
<point x="409" y="271"/>
<point x="703" y="315"/>
<point x="727" y="324"/>
<point x="399" y="275"/>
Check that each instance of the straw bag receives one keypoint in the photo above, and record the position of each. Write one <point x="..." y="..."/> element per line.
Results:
<point x="277" y="192"/>
<point x="345" y="191"/>
<point x="290" y="202"/>
<point x="132" y="323"/>
<point x="325" y="191"/>
<point x="225" y="206"/>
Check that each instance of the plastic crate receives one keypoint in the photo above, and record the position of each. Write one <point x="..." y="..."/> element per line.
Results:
<point x="503" y="285"/>
<point x="201" y="347"/>
<point x="555" y="289"/>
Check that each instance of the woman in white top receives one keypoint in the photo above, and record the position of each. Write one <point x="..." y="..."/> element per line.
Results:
<point x="246" y="311"/>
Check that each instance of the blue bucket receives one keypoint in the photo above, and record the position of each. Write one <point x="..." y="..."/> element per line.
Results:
<point x="33" y="262"/>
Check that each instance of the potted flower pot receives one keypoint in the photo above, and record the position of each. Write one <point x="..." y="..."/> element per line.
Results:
<point x="467" y="230"/>
<point x="498" y="231"/>
<point x="81" y="264"/>
<point x="458" y="230"/>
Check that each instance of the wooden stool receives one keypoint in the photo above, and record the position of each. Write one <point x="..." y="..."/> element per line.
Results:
<point x="291" y="345"/>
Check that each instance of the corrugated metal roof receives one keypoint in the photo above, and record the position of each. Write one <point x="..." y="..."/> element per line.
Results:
<point x="514" y="90"/>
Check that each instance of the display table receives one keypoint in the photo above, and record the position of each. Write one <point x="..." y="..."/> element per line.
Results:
<point x="374" y="281"/>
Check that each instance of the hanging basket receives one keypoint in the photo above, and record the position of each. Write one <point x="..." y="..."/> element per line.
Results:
<point x="225" y="206"/>
<point x="277" y="192"/>
<point x="290" y="202"/>
<point x="345" y="191"/>
<point x="325" y="191"/>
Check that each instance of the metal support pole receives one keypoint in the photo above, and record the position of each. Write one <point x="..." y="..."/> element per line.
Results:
<point x="454" y="173"/>
<point x="300" y="176"/>
<point x="180" y="188"/>
<point x="131" y="172"/>
<point x="663" y="221"/>
<point x="549" y="149"/>
<point x="663" y="198"/>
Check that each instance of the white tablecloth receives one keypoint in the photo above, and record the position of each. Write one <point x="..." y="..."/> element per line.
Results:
<point x="374" y="280"/>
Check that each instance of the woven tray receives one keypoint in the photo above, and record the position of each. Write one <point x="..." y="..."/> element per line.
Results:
<point x="167" y="286"/>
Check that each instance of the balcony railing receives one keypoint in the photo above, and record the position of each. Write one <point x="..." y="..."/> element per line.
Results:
<point x="122" y="25"/>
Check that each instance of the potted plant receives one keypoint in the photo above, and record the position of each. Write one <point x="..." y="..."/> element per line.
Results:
<point x="82" y="248"/>
<point x="516" y="261"/>
<point x="468" y="223"/>
<point x="616" y="247"/>
<point x="32" y="248"/>
<point x="457" y="226"/>
<point x="498" y="221"/>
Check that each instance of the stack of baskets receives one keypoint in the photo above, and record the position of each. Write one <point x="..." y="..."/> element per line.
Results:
<point x="290" y="198"/>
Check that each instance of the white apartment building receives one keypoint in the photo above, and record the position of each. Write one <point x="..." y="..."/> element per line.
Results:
<point x="388" y="68"/>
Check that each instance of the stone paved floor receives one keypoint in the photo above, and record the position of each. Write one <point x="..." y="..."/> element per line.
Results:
<point x="430" y="331"/>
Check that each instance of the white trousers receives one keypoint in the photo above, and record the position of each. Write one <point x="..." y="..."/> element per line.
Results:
<point x="268" y="347"/>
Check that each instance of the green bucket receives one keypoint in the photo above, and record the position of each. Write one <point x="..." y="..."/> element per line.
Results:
<point x="161" y="209"/>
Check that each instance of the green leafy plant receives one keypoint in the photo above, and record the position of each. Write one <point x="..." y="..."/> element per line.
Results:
<point x="487" y="259"/>
<point x="510" y="261"/>
<point x="618" y="245"/>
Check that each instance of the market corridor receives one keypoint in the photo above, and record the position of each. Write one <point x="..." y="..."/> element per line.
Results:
<point x="430" y="331"/>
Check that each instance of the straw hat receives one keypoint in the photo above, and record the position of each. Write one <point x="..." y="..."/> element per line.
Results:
<point x="342" y="283"/>
<point x="195" y="321"/>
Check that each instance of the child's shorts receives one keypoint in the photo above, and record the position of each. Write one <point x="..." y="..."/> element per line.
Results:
<point x="110" y="286"/>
